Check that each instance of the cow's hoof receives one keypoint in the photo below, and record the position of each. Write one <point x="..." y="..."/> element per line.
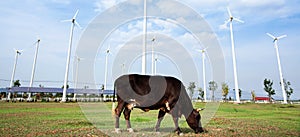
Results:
<point x="117" y="130"/>
<point x="180" y="134"/>
<point x="130" y="130"/>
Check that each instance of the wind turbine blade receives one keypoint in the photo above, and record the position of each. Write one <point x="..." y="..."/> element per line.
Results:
<point x="271" y="36"/>
<point x="283" y="36"/>
<point x="74" y="17"/>
<point x="236" y="19"/>
<point x="227" y="21"/>
<point x="66" y="21"/>
<point x="158" y="60"/>
<point x="198" y="50"/>
<point x="229" y="13"/>
<point x="77" y="24"/>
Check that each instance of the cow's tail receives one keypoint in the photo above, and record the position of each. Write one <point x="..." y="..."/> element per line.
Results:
<point x="113" y="104"/>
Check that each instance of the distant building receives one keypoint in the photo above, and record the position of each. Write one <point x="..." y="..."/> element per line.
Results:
<point x="263" y="100"/>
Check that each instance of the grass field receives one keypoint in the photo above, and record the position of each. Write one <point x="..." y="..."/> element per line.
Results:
<point x="68" y="119"/>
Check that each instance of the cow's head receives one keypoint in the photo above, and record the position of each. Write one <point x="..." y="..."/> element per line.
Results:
<point x="194" y="121"/>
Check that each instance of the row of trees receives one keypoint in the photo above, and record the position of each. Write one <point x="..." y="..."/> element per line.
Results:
<point x="213" y="86"/>
<point x="270" y="91"/>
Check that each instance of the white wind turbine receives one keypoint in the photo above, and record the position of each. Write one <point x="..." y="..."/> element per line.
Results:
<point x="78" y="59"/>
<point x="155" y="64"/>
<point x="33" y="67"/>
<point x="18" y="52"/>
<point x="144" y="70"/>
<point x="153" y="59"/>
<point x="231" y="18"/>
<point x="275" y="39"/>
<point x="123" y="67"/>
<point x="106" y="67"/>
<point x="73" y="21"/>
<point x="203" y="71"/>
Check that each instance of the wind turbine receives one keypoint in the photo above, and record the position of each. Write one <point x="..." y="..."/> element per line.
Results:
<point x="18" y="52"/>
<point x="203" y="71"/>
<point x="231" y="18"/>
<point x="155" y="64"/>
<point x="275" y="39"/>
<point x="106" y="65"/>
<point x="153" y="40"/>
<point x="123" y="66"/>
<point x="78" y="59"/>
<point x="33" y="67"/>
<point x="144" y="70"/>
<point x="73" y="21"/>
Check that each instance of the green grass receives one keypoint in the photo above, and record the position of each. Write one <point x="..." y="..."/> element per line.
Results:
<point x="72" y="119"/>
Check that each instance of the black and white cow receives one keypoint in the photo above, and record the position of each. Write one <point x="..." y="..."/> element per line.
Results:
<point x="166" y="94"/>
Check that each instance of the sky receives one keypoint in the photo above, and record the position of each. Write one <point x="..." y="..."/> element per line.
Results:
<point x="22" y="22"/>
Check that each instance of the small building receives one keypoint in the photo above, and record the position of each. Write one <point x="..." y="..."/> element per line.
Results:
<point x="263" y="100"/>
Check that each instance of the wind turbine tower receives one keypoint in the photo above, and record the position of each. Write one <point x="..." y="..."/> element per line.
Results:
<point x="144" y="70"/>
<point x="33" y="67"/>
<point x="203" y="71"/>
<point x="18" y="52"/>
<point x="106" y="70"/>
<point x="155" y="64"/>
<point x="78" y="59"/>
<point x="153" y="58"/>
<point x="73" y="21"/>
<point x="236" y="86"/>
<point x="275" y="39"/>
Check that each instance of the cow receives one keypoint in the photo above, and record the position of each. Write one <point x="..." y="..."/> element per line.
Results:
<point x="164" y="93"/>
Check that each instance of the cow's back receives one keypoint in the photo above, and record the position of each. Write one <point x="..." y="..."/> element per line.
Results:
<point x="151" y="92"/>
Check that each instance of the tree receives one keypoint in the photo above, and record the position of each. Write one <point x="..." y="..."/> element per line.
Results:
<point x="253" y="95"/>
<point x="64" y="86"/>
<point x="102" y="87"/>
<point x="201" y="93"/>
<point x="58" y="95"/>
<point x="240" y="92"/>
<point x="287" y="88"/>
<point x="191" y="88"/>
<point x="213" y="87"/>
<point x="17" y="83"/>
<point x="225" y="90"/>
<point x="268" y="87"/>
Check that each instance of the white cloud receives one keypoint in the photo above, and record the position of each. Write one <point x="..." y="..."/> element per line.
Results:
<point x="102" y="5"/>
<point x="61" y="1"/>
<point x="260" y="3"/>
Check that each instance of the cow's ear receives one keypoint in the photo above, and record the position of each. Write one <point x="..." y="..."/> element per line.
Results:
<point x="199" y="109"/>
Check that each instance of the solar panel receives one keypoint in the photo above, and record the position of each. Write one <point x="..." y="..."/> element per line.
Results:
<point x="55" y="90"/>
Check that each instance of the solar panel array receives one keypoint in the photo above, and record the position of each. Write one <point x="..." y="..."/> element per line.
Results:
<point x="55" y="90"/>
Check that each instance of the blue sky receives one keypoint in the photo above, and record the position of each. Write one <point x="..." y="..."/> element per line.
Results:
<point x="22" y="21"/>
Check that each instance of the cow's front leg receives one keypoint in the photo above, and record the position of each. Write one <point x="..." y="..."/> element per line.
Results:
<point x="160" y="117"/>
<point x="118" y="112"/>
<point x="177" y="129"/>
<point x="127" y="118"/>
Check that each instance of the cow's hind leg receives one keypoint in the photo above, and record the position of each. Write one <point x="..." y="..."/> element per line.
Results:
<point x="127" y="118"/>
<point x="118" y="112"/>
<point x="177" y="129"/>
<point x="160" y="117"/>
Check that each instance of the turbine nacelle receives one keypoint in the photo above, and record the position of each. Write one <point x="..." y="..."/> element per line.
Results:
<point x="18" y="51"/>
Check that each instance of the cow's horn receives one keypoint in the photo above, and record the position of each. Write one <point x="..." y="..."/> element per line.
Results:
<point x="199" y="109"/>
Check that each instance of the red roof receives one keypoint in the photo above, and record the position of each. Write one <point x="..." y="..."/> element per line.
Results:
<point x="262" y="98"/>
